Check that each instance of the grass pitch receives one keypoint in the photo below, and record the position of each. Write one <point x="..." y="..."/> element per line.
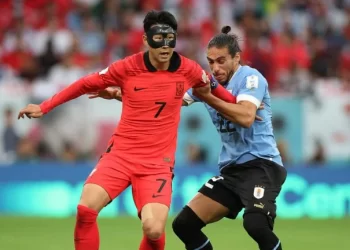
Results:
<point x="124" y="233"/>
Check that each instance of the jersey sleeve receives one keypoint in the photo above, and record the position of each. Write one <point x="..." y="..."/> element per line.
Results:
<point x="189" y="98"/>
<point x="114" y="75"/>
<point x="196" y="76"/>
<point x="111" y="76"/>
<point x="252" y="90"/>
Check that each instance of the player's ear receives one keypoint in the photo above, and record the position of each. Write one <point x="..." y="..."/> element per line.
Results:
<point x="144" y="39"/>
<point x="237" y="57"/>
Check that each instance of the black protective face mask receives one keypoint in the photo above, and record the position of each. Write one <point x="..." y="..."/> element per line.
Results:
<point x="164" y="30"/>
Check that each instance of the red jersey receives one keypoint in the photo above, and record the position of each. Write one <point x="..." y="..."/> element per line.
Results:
<point x="152" y="100"/>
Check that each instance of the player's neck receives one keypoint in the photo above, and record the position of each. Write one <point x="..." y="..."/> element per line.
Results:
<point x="158" y="65"/>
<point x="235" y="68"/>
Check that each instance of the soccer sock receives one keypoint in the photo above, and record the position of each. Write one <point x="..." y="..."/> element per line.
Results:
<point x="187" y="226"/>
<point x="153" y="244"/>
<point x="86" y="236"/>
<point x="258" y="227"/>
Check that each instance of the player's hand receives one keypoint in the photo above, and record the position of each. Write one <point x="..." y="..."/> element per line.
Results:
<point x="31" y="111"/>
<point x="108" y="94"/>
<point x="202" y="92"/>
<point x="258" y="118"/>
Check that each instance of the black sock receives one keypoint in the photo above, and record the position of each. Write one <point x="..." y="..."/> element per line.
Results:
<point x="188" y="227"/>
<point x="258" y="227"/>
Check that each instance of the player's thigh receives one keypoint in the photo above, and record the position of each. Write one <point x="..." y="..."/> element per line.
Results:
<point x="259" y="194"/>
<point x="152" y="196"/>
<point x="106" y="182"/>
<point x="214" y="201"/>
<point x="94" y="196"/>
<point x="152" y="189"/>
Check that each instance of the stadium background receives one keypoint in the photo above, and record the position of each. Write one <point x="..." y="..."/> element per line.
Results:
<point x="301" y="46"/>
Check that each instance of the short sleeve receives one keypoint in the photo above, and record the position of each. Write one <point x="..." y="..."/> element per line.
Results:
<point x="189" y="98"/>
<point x="252" y="89"/>
<point x="114" y="75"/>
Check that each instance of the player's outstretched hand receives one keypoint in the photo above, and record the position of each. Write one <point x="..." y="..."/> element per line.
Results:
<point x="108" y="94"/>
<point x="31" y="111"/>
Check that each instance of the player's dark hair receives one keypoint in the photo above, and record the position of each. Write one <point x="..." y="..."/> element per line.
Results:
<point x="224" y="39"/>
<point x="159" y="17"/>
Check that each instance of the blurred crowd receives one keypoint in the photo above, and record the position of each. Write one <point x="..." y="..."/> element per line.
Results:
<point x="46" y="45"/>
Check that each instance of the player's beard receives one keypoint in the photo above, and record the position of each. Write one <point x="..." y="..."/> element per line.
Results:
<point x="229" y="76"/>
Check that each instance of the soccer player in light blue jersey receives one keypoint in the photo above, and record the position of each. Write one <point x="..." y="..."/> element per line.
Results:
<point x="251" y="168"/>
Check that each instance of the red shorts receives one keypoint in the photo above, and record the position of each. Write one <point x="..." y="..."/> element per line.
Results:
<point x="115" y="174"/>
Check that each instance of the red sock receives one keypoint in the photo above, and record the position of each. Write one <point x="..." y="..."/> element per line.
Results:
<point x="86" y="235"/>
<point x="148" y="244"/>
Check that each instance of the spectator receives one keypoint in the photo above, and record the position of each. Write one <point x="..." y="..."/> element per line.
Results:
<point x="299" y="46"/>
<point x="319" y="154"/>
<point x="196" y="154"/>
<point x="10" y="136"/>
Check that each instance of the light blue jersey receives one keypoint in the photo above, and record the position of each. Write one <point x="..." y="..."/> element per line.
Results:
<point x="240" y="144"/>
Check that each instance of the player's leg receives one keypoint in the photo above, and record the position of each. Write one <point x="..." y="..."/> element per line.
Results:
<point x="103" y="185"/>
<point x="153" y="218"/>
<point x="152" y="196"/>
<point x="260" y="198"/>
<point x="212" y="203"/>
<point x="86" y="235"/>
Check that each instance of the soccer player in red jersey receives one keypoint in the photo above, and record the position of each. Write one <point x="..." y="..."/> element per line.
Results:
<point x="142" y="149"/>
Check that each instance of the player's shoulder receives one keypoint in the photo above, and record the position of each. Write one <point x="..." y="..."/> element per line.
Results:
<point x="132" y="64"/>
<point x="247" y="71"/>
<point x="187" y="63"/>
<point x="252" y="75"/>
<point x="191" y="69"/>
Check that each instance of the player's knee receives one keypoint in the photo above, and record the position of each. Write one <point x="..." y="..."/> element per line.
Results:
<point x="186" y="222"/>
<point x="153" y="228"/>
<point x="255" y="223"/>
<point x="179" y="224"/>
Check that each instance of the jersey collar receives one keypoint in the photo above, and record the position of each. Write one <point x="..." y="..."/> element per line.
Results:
<point x="239" y="67"/>
<point x="175" y="62"/>
<point x="228" y="82"/>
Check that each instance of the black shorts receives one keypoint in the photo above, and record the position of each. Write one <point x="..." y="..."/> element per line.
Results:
<point x="253" y="185"/>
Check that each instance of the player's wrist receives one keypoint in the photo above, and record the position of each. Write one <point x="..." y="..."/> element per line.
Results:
<point x="210" y="98"/>
<point x="213" y="82"/>
<point x="115" y="94"/>
<point x="44" y="108"/>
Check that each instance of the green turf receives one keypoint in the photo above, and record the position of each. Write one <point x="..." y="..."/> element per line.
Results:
<point x="123" y="233"/>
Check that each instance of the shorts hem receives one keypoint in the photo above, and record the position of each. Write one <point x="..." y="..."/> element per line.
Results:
<point x="139" y="211"/>
<point x="102" y="186"/>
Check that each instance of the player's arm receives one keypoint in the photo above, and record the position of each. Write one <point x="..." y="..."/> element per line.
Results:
<point x="202" y="82"/>
<point x="248" y="101"/>
<point x="108" y="94"/>
<point x="115" y="94"/>
<point x="111" y="76"/>
<point x="219" y="91"/>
